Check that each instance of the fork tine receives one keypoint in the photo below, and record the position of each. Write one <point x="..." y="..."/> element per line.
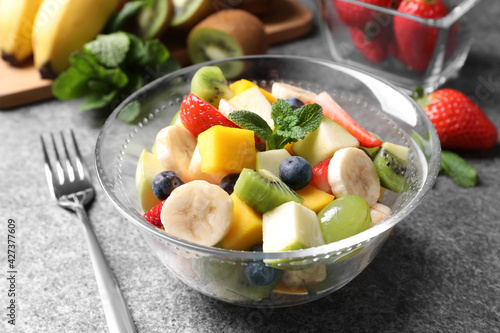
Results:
<point x="48" y="168"/>
<point x="78" y="157"/>
<point x="69" y="166"/>
<point x="59" y="168"/>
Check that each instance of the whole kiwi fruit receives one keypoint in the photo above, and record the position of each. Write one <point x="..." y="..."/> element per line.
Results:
<point x="224" y="34"/>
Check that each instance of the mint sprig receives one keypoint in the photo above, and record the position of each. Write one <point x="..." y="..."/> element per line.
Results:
<point x="289" y="125"/>
<point x="458" y="169"/>
<point x="110" y="68"/>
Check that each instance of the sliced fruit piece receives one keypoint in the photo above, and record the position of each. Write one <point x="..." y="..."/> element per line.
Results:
<point x="148" y="167"/>
<point x="246" y="229"/>
<point x="195" y="169"/>
<point x="198" y="212"/>
<point x="289" y="227"/>
<point x="379" y="212"/>
<point x="270" y="160"/>
<point x="187" y="13"/>
<point x="263" y="191"/>
<point x="322" y="143"/>
<point x="176" y="120"/>
<point x="253" y="100"/>
<point x="320" y="176"/>
<point x="174" y="147"/>
<point x="225" y="34"/>
<point x="152" y="21"/>
<point x="390" y="163"/>
<point x="304" y="277"/>
<point x="225" y="150"/>
<point x="153" y="216"/>
<point x="351" y="172"/>
<point x="242" y="85"/>
<point x="374" y="150"/>
<point x="344" y="217"/>
<point x="284" y="90"/>
<point x="197" y="115"/>
<point x="333" y="111"/>
<point x="315" y="199"/>
<point x="210" y="84"/>
<point x="282" y="289"/>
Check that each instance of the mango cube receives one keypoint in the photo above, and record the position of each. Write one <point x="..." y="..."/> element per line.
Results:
<point x="242" y="85"/>
<point x="315" y="199"/>
<point x="246" y="229"/>
<point x="226" y="150"/>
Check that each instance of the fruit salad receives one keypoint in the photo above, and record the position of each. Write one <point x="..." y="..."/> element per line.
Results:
<point x="246" y="169"/>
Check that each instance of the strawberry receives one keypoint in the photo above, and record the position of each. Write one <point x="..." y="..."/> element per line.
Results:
<point x="153" y="216"/>
<point x="373" y="48"/>
<point x="416" y="40"/>
<point x="320" y="176"/>
<point x="358" y="16"/>
<point x="198" y="115"/>
<point x="333" y="111"/>
<point x="459" y="122"/>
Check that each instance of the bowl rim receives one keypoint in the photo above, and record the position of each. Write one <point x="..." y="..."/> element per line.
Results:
<point x="343" y="246"/>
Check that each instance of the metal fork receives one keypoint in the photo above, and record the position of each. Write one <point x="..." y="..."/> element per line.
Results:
<point x="69" y="183"/>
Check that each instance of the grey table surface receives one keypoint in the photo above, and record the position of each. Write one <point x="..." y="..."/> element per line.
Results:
<point x="439" y="271"/>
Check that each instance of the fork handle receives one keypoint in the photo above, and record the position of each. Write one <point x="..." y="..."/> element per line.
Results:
<point x="115" y="308"/>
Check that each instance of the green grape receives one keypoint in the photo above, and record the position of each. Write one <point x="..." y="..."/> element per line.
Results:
<point x="344" y="217"/>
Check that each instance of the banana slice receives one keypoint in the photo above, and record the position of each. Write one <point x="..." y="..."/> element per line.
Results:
<point x="285" y="90"/>
<point x="198" y="212"/>
<point x="378" y="213"/>
<point x="174" y="147"/>
<point x="351" y="171"/>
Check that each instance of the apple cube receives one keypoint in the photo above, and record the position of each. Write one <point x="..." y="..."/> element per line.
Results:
<point x="252" y="99"/>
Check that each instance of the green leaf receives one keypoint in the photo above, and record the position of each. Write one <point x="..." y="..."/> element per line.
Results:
<point x="309" y="117"/>
<point x="253" y="122"/>
<point x="281" y="112"/>
<point x="97" y="100"/>
<point x="458" y="169"/>
<point x="130" y="112"/>
<point x="87" y="64"/>
<point x="110" y="50"/>
<point x="70" y="84"/>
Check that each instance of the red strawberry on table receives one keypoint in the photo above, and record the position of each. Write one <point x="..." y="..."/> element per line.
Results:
<point x="153" y="216"/>
<point x="415" y="40"/>
<point x="459" y="122"/>
<point x="198" y="115"/>
<point x="358" y="16"/>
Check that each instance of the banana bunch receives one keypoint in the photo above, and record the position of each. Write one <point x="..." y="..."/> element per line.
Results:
<point x="50" y="30"/>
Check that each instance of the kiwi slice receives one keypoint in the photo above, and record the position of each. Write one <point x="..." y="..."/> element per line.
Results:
<point x="187" y="13"/>
<point x="146" y="20"/>
<point x="210" y="84"/>
<point x="390" y="163"/>
<point x="225" y="34"/>
<point x="263" y="191"/>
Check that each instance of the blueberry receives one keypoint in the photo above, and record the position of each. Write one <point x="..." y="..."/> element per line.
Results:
<point x="259" y="274"/>
<point x="164" y="183"/>
<point x="294" y="102"/>
<point x="227" y="183"/>
<point x="296" y="172"/>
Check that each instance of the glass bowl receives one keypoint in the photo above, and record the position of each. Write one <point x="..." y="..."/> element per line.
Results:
<point x="427" y="69"/>
<point x="218" y="273"/>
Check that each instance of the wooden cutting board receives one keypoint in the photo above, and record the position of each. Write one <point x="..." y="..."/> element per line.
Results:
<point x="21" y="86"/>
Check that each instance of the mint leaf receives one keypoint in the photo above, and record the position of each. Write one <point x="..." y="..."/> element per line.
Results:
<point x="130" y="112"/>
<point x="70" y="84"/>
<point x="458" y="169"/>
<point x="282" y="113"/>
<point x="96" y="100"/>
<point x="309" y="117"/>
<point x="253" y="122"/>
<point x="110" y="50"/>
